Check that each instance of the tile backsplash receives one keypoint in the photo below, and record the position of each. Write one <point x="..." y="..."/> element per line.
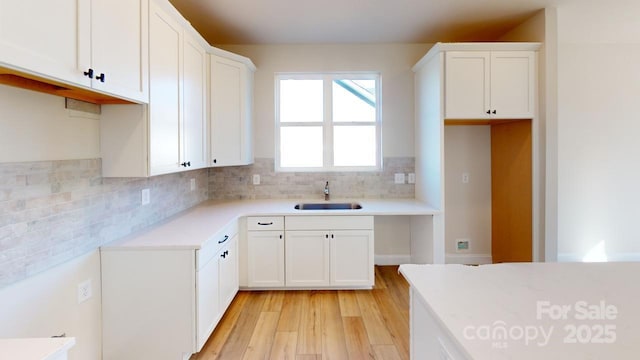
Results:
<point x="236" y="183"/>
<point x="53" y="211"/>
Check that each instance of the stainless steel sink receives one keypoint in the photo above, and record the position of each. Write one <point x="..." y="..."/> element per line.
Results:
<point x="328" y="206"/>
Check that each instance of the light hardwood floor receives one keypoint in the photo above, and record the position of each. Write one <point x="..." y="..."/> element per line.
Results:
<point x="304" y="325"/>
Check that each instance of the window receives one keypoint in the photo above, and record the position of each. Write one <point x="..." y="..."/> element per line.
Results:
<point x="328" y="122"/>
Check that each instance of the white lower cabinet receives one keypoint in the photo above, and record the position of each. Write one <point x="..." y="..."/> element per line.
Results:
<point x="315" y="252"/>
<point x="164" y="303"/>
<point x="265" y="247"/>
<point x="307" y="258"/>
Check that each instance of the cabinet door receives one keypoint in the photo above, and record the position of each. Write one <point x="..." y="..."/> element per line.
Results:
<point x="119" y="47"/>
<point x="467" y="84"/>
<point x="265" y="258"/>
<point x="208" y="300"/>
<point x="230" y="109"/>
<point x="228" y="273"/>
<point x="194" y="105"/>
<point x="307" y="258"/>
<point x="513" y="84"/>
<point x="48" y="38"/>
<point x="352" y="258"/>
<point x="165" y="36"/>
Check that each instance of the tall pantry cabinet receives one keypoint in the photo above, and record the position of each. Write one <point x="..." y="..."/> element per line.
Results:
<point x="472" y="85"/>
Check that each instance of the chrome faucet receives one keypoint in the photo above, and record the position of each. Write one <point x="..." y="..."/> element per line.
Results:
<point x="326" y="191"/>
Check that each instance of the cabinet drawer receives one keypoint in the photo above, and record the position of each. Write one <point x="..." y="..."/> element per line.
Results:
<point x="265" y="223"/>
<point x="222" y="237"/>
<point x="330" y="222"/>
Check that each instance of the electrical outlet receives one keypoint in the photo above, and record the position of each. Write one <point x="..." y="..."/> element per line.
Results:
<point x="462" y="245"/>
<point x="146" y="196"/>
<point x="399" y="178"/>
<point x="84" y="291"/>
<point x="193" y="184"/>
<point x="256" y="179"/>
<point x="411" y="178"/>
<point x="465" y="178"/>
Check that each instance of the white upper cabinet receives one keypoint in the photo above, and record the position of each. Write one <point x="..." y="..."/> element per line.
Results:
<point x="50" y="38"/>
<point x="194" y="88"/>
<point x="231" y="112"/>
<point x="98" y="44"/>
<point x="490" y="84"/>
<point x="169" y="134"/>
<point x="165" y="52"/>
<point x="119" y="47"/>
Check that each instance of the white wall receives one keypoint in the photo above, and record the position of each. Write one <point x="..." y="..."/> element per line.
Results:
<point x="46" y="304"/>
<point x="597" y="129"/>
<point x="394" y="62"/>
<point x="37" y="127"/>
<point x="468" y="205"/>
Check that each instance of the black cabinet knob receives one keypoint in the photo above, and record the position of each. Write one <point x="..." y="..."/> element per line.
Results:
<point x="100" y="77"/>
<point x="89" y="73"/>
<point x="493" y="112"/>
<point x="215" y="161"/>
<point x="488" y="111"/>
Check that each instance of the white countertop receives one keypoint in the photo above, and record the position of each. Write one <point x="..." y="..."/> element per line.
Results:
<point x="35" y="348"/>
<point x="468" y="300"/>
<point x="192" y="228"/>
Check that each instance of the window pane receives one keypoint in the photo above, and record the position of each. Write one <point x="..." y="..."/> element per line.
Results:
<point x="301" y="146"/>
<point x="354" y="145"/>
<point x="301" y="101"/>
<point x="354" y="100"/>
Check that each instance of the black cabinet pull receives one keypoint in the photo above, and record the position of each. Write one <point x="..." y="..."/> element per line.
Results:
<point x="326" y="236"/>
<point x="89" y="73"/>
<point x="226" y="252"/>
<point x="488" y="111"/>
<point x="186" y="163"/>
<point x="223" y="255"/>
<point x="493" y="112"/>
<point x="265" y="224"/>
<point x="100" y="77"/>
<point x="215" y="161"/>
<point x="280" y="236"/>
<point x="332" y="236"/>
<point x="226" y="237"/>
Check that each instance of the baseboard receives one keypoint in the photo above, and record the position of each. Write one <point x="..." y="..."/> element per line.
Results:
<point x="469" y="259"/>
<point x="619" y="257"/>
<point x="392" y="259"/>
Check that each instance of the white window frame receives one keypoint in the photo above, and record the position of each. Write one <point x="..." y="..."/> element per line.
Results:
<point x="327" y="123"/>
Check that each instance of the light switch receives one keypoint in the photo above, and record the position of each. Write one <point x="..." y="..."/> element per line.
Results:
<point x="465" y="178"/>
<point x="146" y="196"/>
<point x="256" y="179"/>
<point x="192" y="183"/>
<point x="411" y="178"/>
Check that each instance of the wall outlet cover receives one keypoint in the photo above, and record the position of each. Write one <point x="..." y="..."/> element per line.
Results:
<point x="411" y="179"/>
<point x="256" y="179"/>
<point x="146" y="196"/>
<point x="399" y="178"/>
<point x="84" y="291"/>
<point x="462" y="245"/>
<point x="192" y="183"/>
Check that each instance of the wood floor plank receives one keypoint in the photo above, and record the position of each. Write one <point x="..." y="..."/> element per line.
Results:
<point x="284" y="345"/>
<point x="316" y="325"/>
<point x="263" y="336"/>
<point x="291" y="310"/>
<point x="238" y="340"/>
<point x="373" y="320"/>
<point x="356" y="338"/>
<point x="333" y="337"/>
<point x="310" y="331"/>
<point x="386" y="352"/>
<point x="396" y="322"/>
<point x="211" y="350"/>
<point x="348" y="303"/>
<point x="274" y="301"/>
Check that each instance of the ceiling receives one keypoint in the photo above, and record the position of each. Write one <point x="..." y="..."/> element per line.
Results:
<point x="355" y="21"/>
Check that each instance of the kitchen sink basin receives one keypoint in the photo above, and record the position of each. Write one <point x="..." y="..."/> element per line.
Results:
<point x="328" y="206"/>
